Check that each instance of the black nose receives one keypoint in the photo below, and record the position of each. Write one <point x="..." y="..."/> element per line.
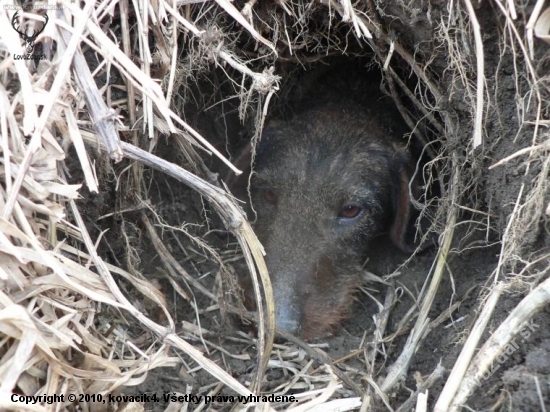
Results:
<point x="287" y="313"/>
<point x="286" y="320"/>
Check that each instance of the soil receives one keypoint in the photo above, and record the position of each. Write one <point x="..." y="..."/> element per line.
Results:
<point x="521" y="382"/>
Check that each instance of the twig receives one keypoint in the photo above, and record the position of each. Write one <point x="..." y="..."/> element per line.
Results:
<point x="459" y="369"/>
<point x="236" y="14"/>
<point x="525" y="150"/>
<point x="530" y="27"/>
<point x="323" y="359"/>
<point x="529" y="306"/>
<point x="424" y="386"/>
<point x="480" y="89"/>
<point x="101" y="116"/>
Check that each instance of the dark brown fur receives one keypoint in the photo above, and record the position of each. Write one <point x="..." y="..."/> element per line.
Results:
<point x="306" y="171"/>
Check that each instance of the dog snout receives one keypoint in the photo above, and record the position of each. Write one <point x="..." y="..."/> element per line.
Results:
<point x="288" y="315"/>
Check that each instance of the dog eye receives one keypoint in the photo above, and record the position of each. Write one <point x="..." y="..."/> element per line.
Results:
<point x="350" y="211"/>
<point x="270" y="196"/>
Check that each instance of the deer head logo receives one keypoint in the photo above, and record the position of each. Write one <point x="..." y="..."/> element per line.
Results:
<point x="29" y="40"/>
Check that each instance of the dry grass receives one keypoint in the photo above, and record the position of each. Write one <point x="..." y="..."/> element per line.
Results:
<point x="73" y="323"/>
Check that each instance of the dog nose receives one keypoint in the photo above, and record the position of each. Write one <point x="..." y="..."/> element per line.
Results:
<point x="286" y="320"/>
<point x="287" y="313"/>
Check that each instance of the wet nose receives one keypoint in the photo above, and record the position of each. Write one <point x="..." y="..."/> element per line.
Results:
<point x="287" y="313"/>
<point x="286" y="319"/>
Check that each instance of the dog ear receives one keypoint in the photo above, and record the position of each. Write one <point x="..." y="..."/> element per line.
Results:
<point x="404" y="217"/>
